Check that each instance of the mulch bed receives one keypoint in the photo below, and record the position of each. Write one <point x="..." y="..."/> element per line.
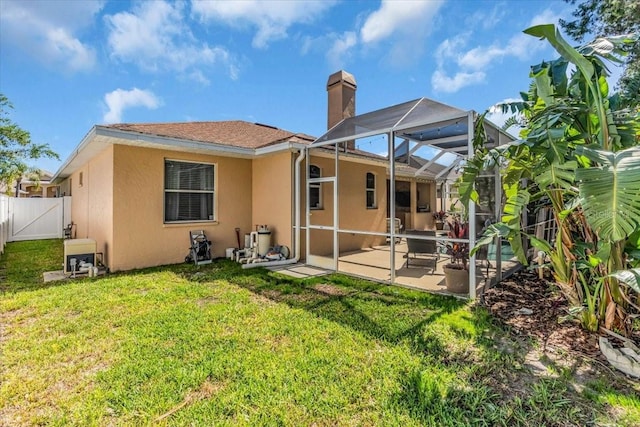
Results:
<point x="532" y="307"/>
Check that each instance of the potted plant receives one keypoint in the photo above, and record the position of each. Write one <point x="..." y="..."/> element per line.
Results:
<point x="439" y="217"/>
<point x="456" y="273"/>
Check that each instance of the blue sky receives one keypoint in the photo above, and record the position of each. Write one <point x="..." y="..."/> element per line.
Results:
<point x="68" y="65"/>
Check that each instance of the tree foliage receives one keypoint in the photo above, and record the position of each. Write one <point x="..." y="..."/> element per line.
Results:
<point x="579" y="157"/>
<point x="16" y="147"/>
<point x="606" y="18"/>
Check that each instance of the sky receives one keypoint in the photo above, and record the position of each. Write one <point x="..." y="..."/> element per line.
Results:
<point x="69" y="65"/>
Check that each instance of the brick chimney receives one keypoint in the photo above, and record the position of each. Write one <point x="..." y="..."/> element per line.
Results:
<point x="341" y="91"/>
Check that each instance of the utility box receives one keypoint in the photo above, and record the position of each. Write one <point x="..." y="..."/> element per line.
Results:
<point x="81" y="250"/>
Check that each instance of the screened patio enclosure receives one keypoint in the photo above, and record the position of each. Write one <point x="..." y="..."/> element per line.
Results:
<point x="373" y="182"/>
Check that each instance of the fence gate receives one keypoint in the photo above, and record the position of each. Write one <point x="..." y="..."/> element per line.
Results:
<point x="33" y="219"/>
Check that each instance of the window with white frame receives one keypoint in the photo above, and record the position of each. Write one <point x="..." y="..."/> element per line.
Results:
<point x="188" y="191"/>
<point x="371" y="191"/>
<point x="315" y="188"/>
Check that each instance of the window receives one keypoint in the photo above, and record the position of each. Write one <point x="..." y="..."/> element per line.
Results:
<point x="188" y="191"/>
<point x="371" y="191"/>
<point x="80" y="180"/>
<point x="315" y="188"/>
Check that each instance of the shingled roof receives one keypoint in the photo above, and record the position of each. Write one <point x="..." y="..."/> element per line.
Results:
<point x="235" y="133"/>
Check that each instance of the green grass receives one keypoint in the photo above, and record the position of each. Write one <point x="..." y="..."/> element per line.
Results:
<point x="223" y="346"/>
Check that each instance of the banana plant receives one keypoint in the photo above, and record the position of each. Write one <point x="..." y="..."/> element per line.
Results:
<point x="578" y="155"/>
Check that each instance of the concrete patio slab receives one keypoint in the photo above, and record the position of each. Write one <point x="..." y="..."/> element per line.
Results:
<point x="300" y="271"/>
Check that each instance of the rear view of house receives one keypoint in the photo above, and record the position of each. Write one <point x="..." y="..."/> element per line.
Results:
<point x="138" y="189"/>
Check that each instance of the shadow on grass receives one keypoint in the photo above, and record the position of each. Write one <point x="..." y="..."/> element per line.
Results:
<point x="379" y="311"/>
<point x="487" y="385"/>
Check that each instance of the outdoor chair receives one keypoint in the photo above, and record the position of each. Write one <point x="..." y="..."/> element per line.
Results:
<point x="397" y="228"/>
<point x="422" y="249"/>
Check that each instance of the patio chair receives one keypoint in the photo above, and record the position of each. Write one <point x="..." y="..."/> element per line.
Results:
<point x="397" y="228"/>
<point x="422" y="249"/>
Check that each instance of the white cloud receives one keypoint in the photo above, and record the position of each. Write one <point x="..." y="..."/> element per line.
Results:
<point x="443" y="83"/>
<point x="488" y="19"/>
<point x="155" y="37"/>
<point x="272" y="19"/>
<point x="449" y="49"/>
<point x="473" y="63"/>
<point x="48" y="30"/>
<point x="499" y="118"/>
<point x="546" y="17"/>
<point x="405" y="24"/>
<point x="340" y="49"/>
<point x="120" y="99"/>
<point x="398" y="16"/>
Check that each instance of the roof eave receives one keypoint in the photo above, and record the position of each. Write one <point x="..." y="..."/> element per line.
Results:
<point x="101" y="136"/>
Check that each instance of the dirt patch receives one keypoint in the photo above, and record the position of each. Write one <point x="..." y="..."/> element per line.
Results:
<point x="331" y="290"/>
<point x="206" y="390"/>
<point x="203" y="302"/>
<point x="268" y="297"/>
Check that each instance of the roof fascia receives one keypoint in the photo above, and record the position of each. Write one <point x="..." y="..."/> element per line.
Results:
<point x="142" y="139"/>
<point x="283" y="146"/>
<point x="85" y="141"/>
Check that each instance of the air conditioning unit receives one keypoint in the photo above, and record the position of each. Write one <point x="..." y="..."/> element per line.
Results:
<point x="80" y="250"/>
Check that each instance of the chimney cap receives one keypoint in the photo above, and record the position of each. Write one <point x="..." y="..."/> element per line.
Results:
<point x="341" y="76"/>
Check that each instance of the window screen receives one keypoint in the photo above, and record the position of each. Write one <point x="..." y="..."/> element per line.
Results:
<point x="315" y="188"/>
<point x="188" y="191"/>
<point x="371" y="191"/>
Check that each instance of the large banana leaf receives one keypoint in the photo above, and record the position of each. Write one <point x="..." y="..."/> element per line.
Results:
<point x="610" y="191"/>
<point x="550" y="176"/>
<point x="550" y="32"/>
<point x="629" y="277"/>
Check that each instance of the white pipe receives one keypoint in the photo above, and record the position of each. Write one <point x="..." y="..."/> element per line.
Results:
<point x="297" y="219"/>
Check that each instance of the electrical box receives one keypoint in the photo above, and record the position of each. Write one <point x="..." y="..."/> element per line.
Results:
<point x="80" y="250"/>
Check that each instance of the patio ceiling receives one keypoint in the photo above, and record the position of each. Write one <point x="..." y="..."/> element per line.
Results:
<point x="421" y="121"/>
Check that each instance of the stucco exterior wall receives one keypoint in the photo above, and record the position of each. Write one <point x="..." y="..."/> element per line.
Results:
<point x="273" y="186"/>
<point x="92" y="201"/>
<point x="353" y="212"/>
<point x="141" y="238"/>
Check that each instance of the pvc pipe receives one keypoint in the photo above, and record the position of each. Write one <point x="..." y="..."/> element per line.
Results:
<point x="297" y="218"/>
<point x="270" y="263"/>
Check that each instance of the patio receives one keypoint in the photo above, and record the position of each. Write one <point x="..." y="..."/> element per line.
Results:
<point x="427" y="143"/>
<point x="373" y="264"/>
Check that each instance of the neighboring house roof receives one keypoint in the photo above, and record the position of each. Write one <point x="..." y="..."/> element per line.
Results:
<point x="44" y="177"/>
<point x="234" y="133"/>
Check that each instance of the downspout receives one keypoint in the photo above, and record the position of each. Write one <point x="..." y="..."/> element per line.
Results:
<point x="296" y="219"/>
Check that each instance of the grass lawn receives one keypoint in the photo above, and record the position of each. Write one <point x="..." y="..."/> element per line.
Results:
<point x="218" y="345"/>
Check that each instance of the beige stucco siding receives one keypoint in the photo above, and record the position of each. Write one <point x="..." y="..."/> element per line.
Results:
<point x="141" y="238"/>
<point x="91" y="188"/>
<point x="273" y="185"/>
<point x="353" y="212"/>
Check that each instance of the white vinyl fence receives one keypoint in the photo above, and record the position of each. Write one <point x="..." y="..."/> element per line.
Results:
<point x="4" y="221"/>
<point x="35" y="218"/>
